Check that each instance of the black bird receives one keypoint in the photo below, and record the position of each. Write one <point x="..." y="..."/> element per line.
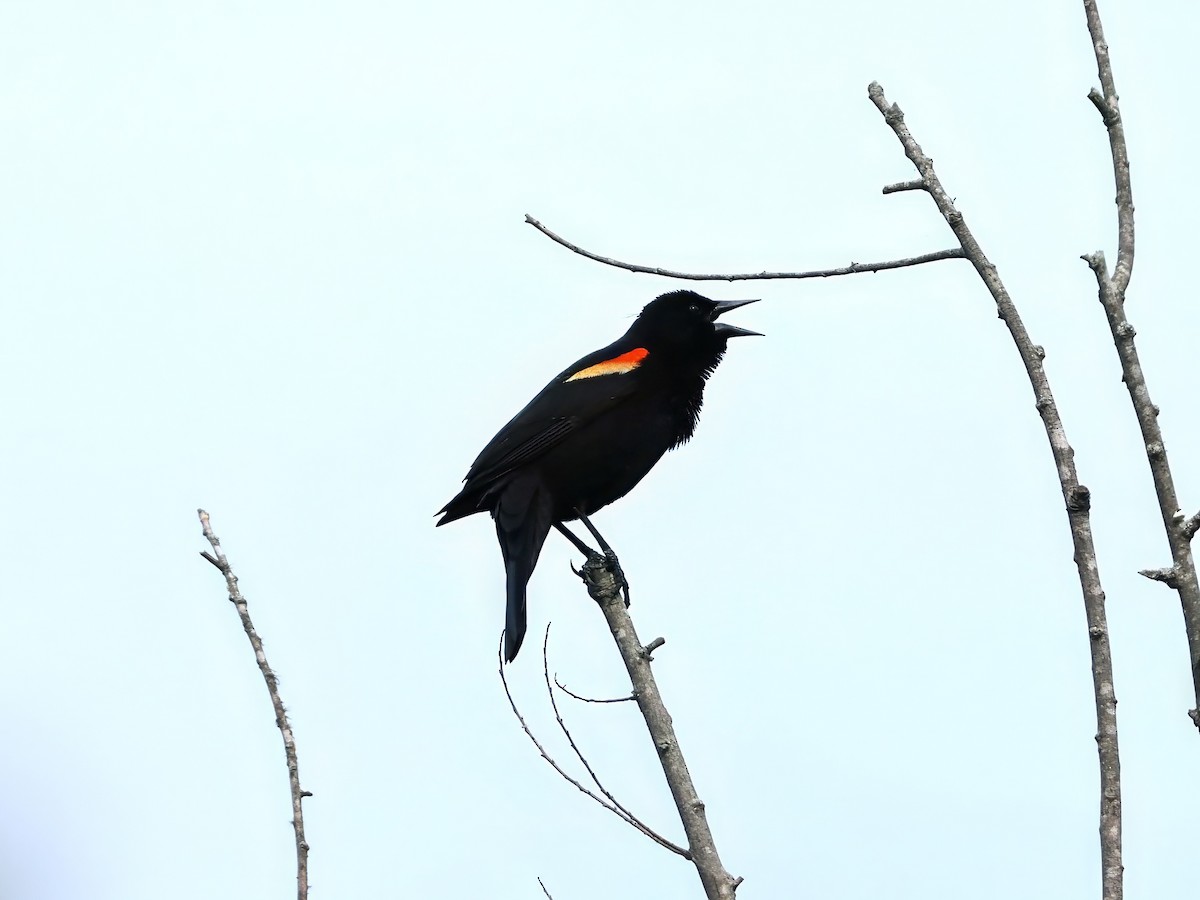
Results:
<point x="593" y="433"/>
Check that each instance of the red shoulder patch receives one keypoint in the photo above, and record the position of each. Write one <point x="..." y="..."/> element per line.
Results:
<point x="618" y="365"/>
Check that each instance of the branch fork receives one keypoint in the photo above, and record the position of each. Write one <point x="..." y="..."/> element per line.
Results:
<point x="1181" y="575"/>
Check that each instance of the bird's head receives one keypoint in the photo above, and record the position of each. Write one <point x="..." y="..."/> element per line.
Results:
<point x="684" y="324"/>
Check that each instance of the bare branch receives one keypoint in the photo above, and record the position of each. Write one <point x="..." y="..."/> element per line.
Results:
<point x="544" y="891"/>
<point x="1168" y="576"/>
<point x="1098" y="264"/>
<point x="852" y="269"/>
<point x="1110" y="110"/>
<point x="217" y="558"/>
<point x="612" y="807"/>
<point x="1190" y="526"/>
<point x="604" y="589"/>
<point x="1075" y="496"/>
<point x="899" y="186"/>
<point x="1181" y="575"/>
<point x="628" y="816"/>
<point x="562" y="687"/>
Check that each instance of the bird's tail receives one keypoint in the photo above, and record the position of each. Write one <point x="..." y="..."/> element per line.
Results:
<point x="514" y="614"/>
<point x="522" y="523"/>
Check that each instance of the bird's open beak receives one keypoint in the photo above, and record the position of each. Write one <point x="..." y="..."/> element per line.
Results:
<point x="725" y="330"/>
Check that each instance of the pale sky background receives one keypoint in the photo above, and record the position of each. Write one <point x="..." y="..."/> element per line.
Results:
<point x="269" y="259"/>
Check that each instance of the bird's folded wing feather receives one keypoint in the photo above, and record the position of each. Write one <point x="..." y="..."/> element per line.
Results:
<point x="559" y="410"/>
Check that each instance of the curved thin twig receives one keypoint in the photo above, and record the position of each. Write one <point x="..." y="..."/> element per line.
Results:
<point x="626" y="814"/>
<point x="217" y="558"/>
<point x="852" y="269"/>
<point x="612" y="807"/>
<point x="570" y="693"/>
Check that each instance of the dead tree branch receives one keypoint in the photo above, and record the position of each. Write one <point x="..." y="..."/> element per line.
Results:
<point x="611" y="804"/>
<point x="1076" y="497"/>
<point x="1106" y="103"/>
<point x="1181" y="575"/>
<point x="1191" y="525"/>
<point x="852" y="269"/>
<point x="217" y="558"/>
<point x="917" y="185"/>
<point x="570" y="693"/>
<point x="629" y="816"/>
<point x="604" y="589"/>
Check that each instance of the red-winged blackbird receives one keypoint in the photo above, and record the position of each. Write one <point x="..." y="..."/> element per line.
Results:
<point x="593" y="433"/>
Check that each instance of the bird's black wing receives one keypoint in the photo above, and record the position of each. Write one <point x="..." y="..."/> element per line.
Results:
<point x="563" y="406"/>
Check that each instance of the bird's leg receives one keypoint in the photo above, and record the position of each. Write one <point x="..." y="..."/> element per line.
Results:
<point x="610" y="557"/>
<point x="574" y="539"/>
<point x="583" y="548"/>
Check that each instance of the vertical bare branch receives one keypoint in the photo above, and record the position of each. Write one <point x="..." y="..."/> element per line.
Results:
<point x="1076" y="497"/>
<point x="1106" y="101"/>
<point x="217" y="558"/>
<point x="1181" y="576"/>
<point x="603" y="588"/>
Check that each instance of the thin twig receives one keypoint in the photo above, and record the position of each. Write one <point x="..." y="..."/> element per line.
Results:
<point x="217" y="558"/>
<point x="628" y="816"/>
<point x="544" y="891"/>
<point x="1181" y="574"/>
<point x="917" y="185"/>
<point x="852" y="269"/>
<point x="604" y="589"/>
<point x="1076" y="497"/>
<point x="566" y="690"/>
<point x="613" y="807"/>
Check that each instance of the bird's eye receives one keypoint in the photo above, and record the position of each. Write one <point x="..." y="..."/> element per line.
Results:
<point x="695" y="307"/>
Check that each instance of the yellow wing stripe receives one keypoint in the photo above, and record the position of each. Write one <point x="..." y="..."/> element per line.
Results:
<point x="618" y="365"/>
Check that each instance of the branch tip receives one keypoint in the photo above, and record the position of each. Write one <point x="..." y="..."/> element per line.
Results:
<point x="1110" y="116"/>
<point x="1191" y="526"/>
<point x="1168" y="575"/>
<point x="562" y="687"/>
<point x="916" y="185"/>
